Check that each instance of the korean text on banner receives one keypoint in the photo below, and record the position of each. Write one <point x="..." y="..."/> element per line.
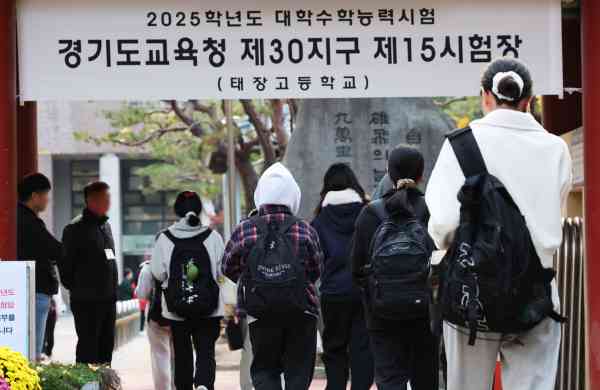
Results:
<point x="183" y="49"/>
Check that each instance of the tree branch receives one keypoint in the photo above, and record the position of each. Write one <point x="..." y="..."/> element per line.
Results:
<point x="180" y="114"/>
<point x="153" y="136"/>
<point x="278" y="126"/>
<point x="263" y="134"/>
<point x="451" y="102"/>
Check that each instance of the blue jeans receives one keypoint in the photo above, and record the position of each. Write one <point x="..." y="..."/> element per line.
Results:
<point x="42" y="307"/>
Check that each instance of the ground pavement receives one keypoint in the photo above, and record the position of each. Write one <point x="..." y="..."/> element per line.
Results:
<point x="132" y="361"/>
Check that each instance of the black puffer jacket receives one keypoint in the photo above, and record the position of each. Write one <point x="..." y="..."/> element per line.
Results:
<point x="410" y="204"/>
<point x="34" y="242"/>
<point x="85" y="269"/>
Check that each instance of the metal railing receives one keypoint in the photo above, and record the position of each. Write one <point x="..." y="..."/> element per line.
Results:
<point x="128" y="322"/>
<point x="569" y="263"/>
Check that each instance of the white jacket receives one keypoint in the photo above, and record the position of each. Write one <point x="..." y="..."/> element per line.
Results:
<point x="163" y="250"/>
<point x="534" y="165"/>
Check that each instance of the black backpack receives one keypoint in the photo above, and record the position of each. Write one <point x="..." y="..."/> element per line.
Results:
<point x="398" y="272"/>
<point x="192" y="291"/>
<point x="493" y="279"/>
<point x="273" y="286"/>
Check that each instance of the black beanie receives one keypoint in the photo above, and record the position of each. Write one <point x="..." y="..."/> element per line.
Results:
<point x="405" y="163"/>
<point x="186" y="202"/>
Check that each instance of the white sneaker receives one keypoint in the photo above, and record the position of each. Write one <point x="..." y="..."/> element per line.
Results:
<point x="201" y="388"/>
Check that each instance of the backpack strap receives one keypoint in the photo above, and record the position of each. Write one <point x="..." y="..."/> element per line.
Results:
<point x="263" y="226"/>
<point x="467" y="152"/>
<point x="378" y="207"/>
<point x="287" y="224"/>
<point x="201" y="236"/>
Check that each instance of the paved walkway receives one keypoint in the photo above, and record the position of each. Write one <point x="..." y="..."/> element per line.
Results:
<point x="132" y="361"/>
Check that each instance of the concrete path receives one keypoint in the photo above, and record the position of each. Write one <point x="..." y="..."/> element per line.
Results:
<point x="132" y="361"/>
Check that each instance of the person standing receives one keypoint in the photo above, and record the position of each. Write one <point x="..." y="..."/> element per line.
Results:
<point x="35" y="243"/>
<point x="88" y="270"/>
<point x="50" y="326"/>
<point x="127" y="286"/>
<point x="276" y="258"/>
<point x="394" y="281"/>
<point x="345" y="337"/>
<point x="186" y="260"/>
<point x="535" y="169"/>
<point x="158" y="330"/>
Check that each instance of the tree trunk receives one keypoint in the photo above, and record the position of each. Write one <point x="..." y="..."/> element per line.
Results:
<point x="248" y="177"/>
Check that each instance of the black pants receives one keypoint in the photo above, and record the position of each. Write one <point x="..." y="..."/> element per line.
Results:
<point x="49" y="334"/>
<point x="201" y="336"/>
<point x="407" y="352"/>
<point x="95" y="327"/>
<point x="142" y="320"/>
<point x="288" y="348"/>
<point x="346" y="344"/>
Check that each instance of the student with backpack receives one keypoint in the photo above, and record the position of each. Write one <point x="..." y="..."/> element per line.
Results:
<point x="345" y="338"/>
<point x="391" y="262"/>
<point x="276" y="258"/>
<point x="158" y="330"/>
<point x="495" y="197"/>
<point x="186" y="260"/>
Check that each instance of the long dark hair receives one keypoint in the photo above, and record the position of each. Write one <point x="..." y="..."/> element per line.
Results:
<point x="340" y="177"/>
<point x="188" y="205"/>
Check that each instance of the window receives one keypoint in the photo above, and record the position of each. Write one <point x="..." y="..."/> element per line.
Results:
<point x="143" y="213"/>
<point x="83" y="172"/>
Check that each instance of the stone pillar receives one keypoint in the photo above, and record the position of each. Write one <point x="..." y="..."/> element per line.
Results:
<point x="590" y="14"/>
<point x="110" y="173"/>
<point x="8" y="134"/>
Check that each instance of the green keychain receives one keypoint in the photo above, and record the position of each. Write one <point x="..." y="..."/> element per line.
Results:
<point x="192" y="271"/>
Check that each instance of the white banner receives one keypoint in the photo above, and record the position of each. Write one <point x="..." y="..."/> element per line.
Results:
<point x="183" y="49"/>
<point x="17" y="289"/>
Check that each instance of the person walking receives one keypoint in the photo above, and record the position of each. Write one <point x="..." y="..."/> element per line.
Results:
<point x="186" y="260"/>
<point x="276" y="258"/>
<point x="533" y="169"/>
<point x="158" y="330"/>
<point x="88" y="270"/>
<point x="346" y="348"/>
<point x="36" y="243"/>
<point x="391" y="262"/>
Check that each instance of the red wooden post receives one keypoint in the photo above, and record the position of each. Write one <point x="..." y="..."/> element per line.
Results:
<point x="8" y="139"/>
<point x="27" y="149"/>
<point x="590" y="14"/>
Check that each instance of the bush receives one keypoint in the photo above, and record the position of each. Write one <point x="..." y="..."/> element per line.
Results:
<point x="17" y="373"/>
<point x="67" y="377"/>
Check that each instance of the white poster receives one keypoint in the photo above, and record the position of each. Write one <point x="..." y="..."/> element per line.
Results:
<point x="183" y="49"/>
<point x="15" y="310"/>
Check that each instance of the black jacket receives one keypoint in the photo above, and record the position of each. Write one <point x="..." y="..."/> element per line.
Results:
<point x="409" y="204"/>
<point x="34" y="242"/>
<point x="335" y="226"/>
<point x="85" y="269"/>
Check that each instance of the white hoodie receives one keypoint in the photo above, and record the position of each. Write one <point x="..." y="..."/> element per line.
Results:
<point x="534" y="166"/>
<point x="163" y="250"/>
<point x="277" y="186"/>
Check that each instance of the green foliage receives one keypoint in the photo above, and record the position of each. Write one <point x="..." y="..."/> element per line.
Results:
<point x="66" y="377"/>
<point x="154" y="131"/>
<point x="462" y="110"/>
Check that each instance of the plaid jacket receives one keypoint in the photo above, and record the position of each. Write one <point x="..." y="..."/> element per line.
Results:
<point x="303" y="235"/>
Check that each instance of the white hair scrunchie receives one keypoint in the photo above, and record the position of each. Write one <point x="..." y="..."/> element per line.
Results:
<point x="498" y="77"/>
